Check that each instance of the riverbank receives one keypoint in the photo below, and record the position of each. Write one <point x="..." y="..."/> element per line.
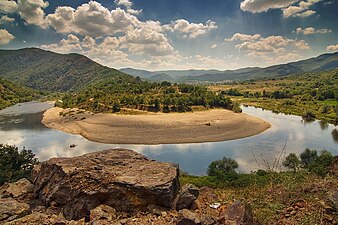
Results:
<point x="155" y="128"/>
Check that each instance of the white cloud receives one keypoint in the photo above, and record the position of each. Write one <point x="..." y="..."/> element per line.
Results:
<point x="257" y="6"/>
<point x="5" y="19"/>
<point x="243" y="37"/>
<point x="146" y="40"/>
<point x="272" y="48"/>
<point x="32" y="12"/>
<point x="294" y="8"/>
<point x="301" y="9"/>
<point x="8" y="6"/>
<point x="127" y="4"/>
<point x="91" y="19"/>
<point x="311" y="30"/>
<point x="332" y="48"/>
<point x="213" y="46"/>
<point x="190" y="30"/>
<point x="5" y="37"/>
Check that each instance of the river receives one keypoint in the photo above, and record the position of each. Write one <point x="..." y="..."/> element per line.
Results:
<point x="21" y="125"/>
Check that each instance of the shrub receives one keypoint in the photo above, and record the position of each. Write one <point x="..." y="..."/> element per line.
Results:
<point x="322" y="163"/>
<point x="15" y="164"/>
<point x="223" y="167"/>
<point x="292" y="162"/>
<point x="308" y="157"/>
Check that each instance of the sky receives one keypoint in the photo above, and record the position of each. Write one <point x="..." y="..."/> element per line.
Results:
<point x="174" y="34"/>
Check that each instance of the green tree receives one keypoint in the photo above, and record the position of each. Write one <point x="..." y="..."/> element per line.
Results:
<point x="322" y="163"/>
<point x="222" y="167"/>
<point x="15" y="164"/>
<point x="292" y="162"/>
<point x="308" y="157"/>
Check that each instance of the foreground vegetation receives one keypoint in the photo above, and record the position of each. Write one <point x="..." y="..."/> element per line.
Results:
<point x="298" y="197"/>
<point x="165" y="97"/>
<point x="11" y="94"/>
<point x="15" y="164"/>
<point x="311" y="95"/>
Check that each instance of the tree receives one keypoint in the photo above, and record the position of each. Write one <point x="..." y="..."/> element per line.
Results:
<point x="222" y="167"/>
<point x="292" y="162"/>
<point x="322" y="163"/>
<point x="15" y="164"/>
<point x="308" y="157"/>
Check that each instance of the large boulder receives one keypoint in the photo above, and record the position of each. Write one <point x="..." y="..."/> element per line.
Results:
<point x="122" y="179"/>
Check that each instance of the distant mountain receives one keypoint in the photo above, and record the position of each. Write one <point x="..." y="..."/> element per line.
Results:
<point x="321" y="63"/>
<point x="172" y="73"/>
<point x="45" y="70"/>
<point x="11" y="94"/>
<point x="161" y="77"/>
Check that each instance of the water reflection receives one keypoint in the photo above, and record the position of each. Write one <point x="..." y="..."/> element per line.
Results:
<point x="251" y="153"/>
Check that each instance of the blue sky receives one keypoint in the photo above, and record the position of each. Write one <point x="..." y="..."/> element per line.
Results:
<point x="174" y="34"/>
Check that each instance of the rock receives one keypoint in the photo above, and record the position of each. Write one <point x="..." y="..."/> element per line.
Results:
<point x="39" y="218"/>
<point x="185" y="199"/>
<point x="126" y="181"/>
<point x="238" y="213"/>
<point x="156" y="210"/>
<point x="102" y="214"/>
<point x="17" y="189"/>
<point x="11" y="209"/>
<point x="187" y="217"/>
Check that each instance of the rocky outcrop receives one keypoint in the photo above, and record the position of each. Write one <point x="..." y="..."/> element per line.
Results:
<point x="122" y="179"/>
<point x="10" y="209"/>
<point x="19" y="189"/>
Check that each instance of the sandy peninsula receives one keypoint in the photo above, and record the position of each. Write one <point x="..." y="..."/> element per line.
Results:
<point x="155" y="128"/>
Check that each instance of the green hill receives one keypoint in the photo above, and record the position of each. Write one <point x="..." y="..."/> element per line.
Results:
<point x="44" y="70"/>
<point x="11" y="94"/>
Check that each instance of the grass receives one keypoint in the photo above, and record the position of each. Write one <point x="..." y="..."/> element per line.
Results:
<point x="282" y="198"/>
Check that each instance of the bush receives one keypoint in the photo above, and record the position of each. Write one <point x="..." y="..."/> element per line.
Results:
<point x="308" y="157"/>
<point x="322" y="163"/>
<point x="292" y="162"/>
<point x="223" y="167"/>
<point x="15" y="164"/>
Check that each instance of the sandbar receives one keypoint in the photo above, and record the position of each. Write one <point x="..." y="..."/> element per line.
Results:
<point x="155" y="128"/>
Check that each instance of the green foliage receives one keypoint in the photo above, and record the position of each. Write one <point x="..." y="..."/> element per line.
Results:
<point x="15" y="164"/>
<point x="321" y="164"/>
<point x="223" y="168"/>
<point x="44" y="70"/>
<point x="11" y="94"/>
<point x="112" y="95"/>
<point x="307" y="157"/>
<point x="292" y="162"/>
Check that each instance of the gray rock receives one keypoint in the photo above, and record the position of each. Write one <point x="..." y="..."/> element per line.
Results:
<point x="185" y="199"/>
<point x="10" y="209"/>
<point x="126" y="181"/>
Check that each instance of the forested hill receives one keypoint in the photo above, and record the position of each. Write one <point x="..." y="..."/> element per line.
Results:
<point x="11" y="94"/>
<point x="45" y="70"/>
<point x="324" y="62"/>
